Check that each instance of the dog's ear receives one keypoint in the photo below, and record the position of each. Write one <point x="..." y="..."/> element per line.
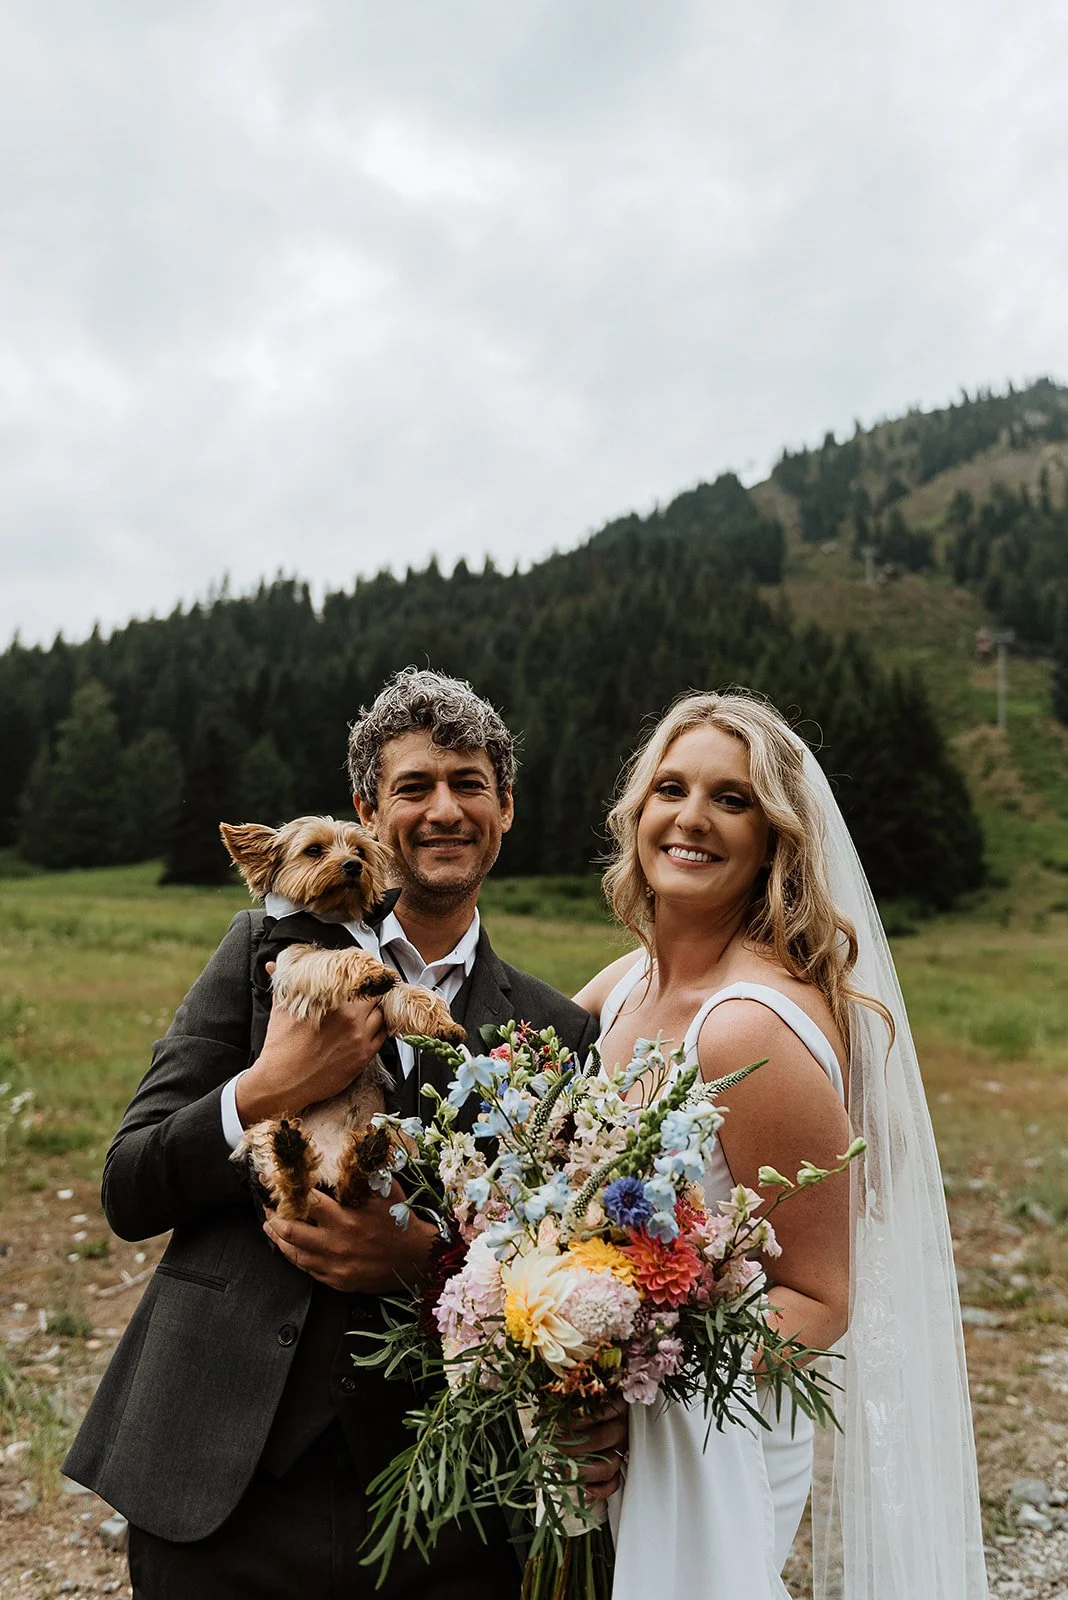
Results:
<point x="255" y="850"/>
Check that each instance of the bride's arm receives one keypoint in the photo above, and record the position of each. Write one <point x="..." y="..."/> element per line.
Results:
<point x="785" y="1113"/>
<point x="594" y="994"/>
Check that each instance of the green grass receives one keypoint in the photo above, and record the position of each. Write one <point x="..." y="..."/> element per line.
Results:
<point x="78" y="1013"/>
<point x="95" y="963"/>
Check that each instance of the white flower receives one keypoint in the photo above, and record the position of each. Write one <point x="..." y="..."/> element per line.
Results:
<point x="536" y="1286"/>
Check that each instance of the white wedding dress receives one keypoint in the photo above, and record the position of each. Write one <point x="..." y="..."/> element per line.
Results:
<point x="712" y="1519"/>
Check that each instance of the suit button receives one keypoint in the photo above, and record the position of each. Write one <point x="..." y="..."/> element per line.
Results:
<point x="348" y="1386"/>
<point x="287" y="1334"/>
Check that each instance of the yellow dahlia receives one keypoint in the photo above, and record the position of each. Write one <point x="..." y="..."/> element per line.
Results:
<point x="597" y="1255"/>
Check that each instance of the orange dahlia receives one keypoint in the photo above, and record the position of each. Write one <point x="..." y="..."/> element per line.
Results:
<point x="665" y="1273"/>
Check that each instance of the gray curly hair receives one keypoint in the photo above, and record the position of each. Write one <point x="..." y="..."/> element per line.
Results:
<point x="455" y="717"/>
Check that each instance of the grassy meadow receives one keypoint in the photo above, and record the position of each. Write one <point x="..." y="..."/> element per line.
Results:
<point x="92" y="965"/>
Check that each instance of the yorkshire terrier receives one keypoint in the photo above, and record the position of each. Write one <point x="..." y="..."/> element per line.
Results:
<point x="338" y="872"/>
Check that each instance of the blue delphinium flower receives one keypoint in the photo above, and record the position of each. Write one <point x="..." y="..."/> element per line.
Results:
<point x="495" y="1121"/>
<point x="625" y="1203"/>
<point x="678" y="1131"/>
<point x="481" y="1072"/>
<point x="477" y="1190"/>
<point x="501" y="1237"/>
<point x="659" y="1193"/>
<point x="662" y="1225"/>
<point x="686" y="1164"/>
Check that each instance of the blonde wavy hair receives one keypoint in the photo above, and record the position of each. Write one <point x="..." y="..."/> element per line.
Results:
<point x="790" y="916"/>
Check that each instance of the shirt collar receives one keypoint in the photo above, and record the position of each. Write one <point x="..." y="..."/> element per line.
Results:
<point x="462" y="955"/>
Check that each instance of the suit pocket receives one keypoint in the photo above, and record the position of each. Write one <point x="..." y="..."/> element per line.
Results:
<point x="206" y="1280"/>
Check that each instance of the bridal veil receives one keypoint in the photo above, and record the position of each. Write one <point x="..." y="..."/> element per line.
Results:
<point x="895" y="1496"/>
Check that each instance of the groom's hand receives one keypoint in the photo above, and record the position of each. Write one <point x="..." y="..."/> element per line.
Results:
<point x="600" y="1439"/>
<point x="301" y="1064"/>
<point x="358" y="1252"/>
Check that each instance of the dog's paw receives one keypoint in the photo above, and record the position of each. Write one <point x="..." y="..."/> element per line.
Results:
<point x="310" y="982"/>
<point x="377" y="983"/>
<point x="366" y="1151"/>
<point x="284" y="1162"/>
<point x="412" y="1009"/>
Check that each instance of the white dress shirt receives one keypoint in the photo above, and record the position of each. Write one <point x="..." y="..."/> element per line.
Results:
<point x="391" y="945"/>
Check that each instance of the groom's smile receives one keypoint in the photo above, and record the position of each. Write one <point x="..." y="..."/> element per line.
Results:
<point x="441" y="814"/>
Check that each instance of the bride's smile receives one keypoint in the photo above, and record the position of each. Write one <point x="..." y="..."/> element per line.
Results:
<point x="702" y="834"/>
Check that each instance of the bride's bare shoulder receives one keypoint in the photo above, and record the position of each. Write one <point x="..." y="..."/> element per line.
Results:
<point x="592" y="996"/>
<point x="759" y="969"/>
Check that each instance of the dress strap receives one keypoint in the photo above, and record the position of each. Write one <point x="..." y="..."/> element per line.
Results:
<point x="797" y="1020"/>
<point x="614" y="1004"/>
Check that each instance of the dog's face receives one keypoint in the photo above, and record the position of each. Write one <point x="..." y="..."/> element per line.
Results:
<point x="336" y="869"/>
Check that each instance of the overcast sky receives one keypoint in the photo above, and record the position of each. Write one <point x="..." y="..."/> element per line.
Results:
<point x="332" y="286"/>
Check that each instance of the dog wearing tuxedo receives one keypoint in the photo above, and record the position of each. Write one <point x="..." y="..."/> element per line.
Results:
<point x="337" y="872"/>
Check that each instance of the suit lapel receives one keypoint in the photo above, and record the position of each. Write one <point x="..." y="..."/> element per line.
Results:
<point x="486" y="995"/>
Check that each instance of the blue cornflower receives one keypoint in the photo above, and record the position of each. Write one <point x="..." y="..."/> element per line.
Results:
<point x="625" y="1203"/>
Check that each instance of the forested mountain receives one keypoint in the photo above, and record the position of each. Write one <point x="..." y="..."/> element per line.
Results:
<point x="137" y="744"/>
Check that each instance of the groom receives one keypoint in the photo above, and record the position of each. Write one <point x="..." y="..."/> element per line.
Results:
<point x="231" y="1427"/>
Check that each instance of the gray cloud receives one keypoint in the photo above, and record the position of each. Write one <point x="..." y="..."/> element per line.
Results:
<point x="328" y="286"/>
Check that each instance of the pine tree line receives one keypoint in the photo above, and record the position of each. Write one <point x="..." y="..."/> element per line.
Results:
<point x="138" y="744"/>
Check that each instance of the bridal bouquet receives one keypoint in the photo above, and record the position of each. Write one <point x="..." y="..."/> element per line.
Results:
<point x="577" y="1261"/>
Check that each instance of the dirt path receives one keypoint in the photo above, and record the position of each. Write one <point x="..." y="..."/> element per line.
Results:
<point x="68" y="1288"/>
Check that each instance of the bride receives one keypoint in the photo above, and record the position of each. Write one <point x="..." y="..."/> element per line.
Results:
<point x="734" y="869"/>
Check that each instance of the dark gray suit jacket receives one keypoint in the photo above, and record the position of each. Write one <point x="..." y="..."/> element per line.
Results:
<point x="181" y="1416"/>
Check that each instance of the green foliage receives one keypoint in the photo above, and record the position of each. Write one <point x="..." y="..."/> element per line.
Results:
<point x="12" y="865"/>
<point x="1060" y="660"/>
<point x="1014" y="550"/>
<point x="25" y="1413"/>
<point x="71" y="812"/>
<point x="265" y="788"/>
<point x="68" y="1322"/>
<point x="901" y="546"/>
<point x="150" y="781"/>
<point x="208" y="796"/>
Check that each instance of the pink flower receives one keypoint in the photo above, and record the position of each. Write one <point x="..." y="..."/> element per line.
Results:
<point x="643" y="1371"/>
<point x="602" y="1308"/>
<point x="471" y="1304"/>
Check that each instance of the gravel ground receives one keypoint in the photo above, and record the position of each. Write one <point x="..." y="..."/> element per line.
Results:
<point x="1032" y="1564"/>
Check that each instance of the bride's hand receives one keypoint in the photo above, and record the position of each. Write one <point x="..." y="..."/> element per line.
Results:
<point x="600" y="1438"/>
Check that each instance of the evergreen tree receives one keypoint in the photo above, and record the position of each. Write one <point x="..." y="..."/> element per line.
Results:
<point x="208" y="797"/>
<point x="73" y="814"/>
<point x="150" y="788"/>
<point x="264" y="785"/>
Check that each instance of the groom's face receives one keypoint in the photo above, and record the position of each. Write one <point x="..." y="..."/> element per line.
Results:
<point x="440" y="813"/>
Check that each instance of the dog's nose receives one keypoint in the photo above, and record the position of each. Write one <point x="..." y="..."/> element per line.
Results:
<point x="352" y="869"/>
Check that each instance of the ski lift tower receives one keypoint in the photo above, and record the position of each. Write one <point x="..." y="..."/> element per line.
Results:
<point x="998" y="639"/>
